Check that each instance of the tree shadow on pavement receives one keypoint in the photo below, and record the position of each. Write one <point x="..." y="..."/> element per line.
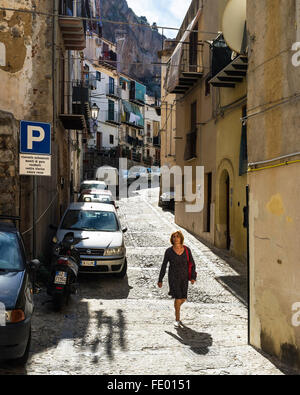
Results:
<point x="199" y="342"/>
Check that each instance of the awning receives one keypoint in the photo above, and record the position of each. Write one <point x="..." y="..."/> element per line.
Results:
<point x="233" y="73"/>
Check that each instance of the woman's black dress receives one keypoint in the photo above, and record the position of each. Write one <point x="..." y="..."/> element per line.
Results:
<point x="178" y="272"/>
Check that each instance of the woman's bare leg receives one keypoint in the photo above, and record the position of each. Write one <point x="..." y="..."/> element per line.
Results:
<point x="177" y="305"/>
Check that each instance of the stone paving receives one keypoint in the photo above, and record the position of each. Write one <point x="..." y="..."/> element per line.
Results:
<point x="115" y="326"/>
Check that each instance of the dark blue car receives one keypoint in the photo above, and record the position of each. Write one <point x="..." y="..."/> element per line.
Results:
<point x="16" y="294"/>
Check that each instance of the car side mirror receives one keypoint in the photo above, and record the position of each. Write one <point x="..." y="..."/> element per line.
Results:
<point x="124" y="230"/>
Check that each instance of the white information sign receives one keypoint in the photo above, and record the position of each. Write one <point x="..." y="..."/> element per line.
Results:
<point x="35" y="165"/>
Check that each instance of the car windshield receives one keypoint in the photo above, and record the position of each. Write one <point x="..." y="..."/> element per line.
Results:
<point x="10" y="255"/>
<point x="90" y="220"/>
<point x="92" y="186"/>
<point x="95" y="198"/>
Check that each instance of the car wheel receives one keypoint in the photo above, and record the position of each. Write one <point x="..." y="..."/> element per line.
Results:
<point x="123" y="272"/>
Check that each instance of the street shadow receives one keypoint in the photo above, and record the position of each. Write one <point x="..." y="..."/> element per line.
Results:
<point x="111" y="333"/>
<point x="103" y="286"/>
<point x="237" y="285"/>
<point x="199" y="342"/>
<point x="8" y="368"/>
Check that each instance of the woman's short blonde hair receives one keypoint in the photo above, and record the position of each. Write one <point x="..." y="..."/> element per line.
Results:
<point x="179" y="233"/>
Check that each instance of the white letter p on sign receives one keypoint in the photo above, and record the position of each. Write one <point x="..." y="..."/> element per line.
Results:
<point x="31" y="137"/>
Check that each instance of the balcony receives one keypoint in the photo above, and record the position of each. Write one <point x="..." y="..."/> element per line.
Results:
<point x="137" y="93"/>
<point x="185" y="68"/>
<point x="72" y="28"/>
<point x="79" y="119"/>
<point x="226" y="71"/>
<point x="113" y="91"/>
<point x="135" y="142"/>
<point x="131" y="115"/>
<point x="113" y="117"/>
<point x="108" y="59"/>
<point x="233" y="73"/>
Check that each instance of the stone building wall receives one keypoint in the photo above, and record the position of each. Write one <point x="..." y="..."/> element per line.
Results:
<point x="9" y="188"/>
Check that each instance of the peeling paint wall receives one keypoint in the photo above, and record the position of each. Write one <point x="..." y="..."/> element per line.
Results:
<point x="26" y="76"/>
<point x="273" y="131"/>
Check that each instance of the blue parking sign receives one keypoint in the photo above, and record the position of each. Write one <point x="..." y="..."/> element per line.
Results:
<point x="35" y="138"/>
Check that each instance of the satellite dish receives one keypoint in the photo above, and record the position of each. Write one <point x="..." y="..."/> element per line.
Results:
<point x="234" y="24"/>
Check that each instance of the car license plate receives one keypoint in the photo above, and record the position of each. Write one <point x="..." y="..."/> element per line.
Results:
<point x="60" y="278"/>
<point x="87" y="263"/>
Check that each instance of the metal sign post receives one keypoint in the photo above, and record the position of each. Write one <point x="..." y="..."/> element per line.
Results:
<point x="35" y="160"/>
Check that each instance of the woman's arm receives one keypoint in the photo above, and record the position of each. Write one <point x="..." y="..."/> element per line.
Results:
<point x="194" y="275"/>
<point x="163" y="267"/>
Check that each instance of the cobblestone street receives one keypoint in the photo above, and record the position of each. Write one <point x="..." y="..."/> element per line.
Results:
<point x="115" y="326"/>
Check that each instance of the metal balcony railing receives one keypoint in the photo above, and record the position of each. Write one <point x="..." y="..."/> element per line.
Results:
<point x="185" y="68"/>
<point x="113" y="117"/>
<point x="113" y="90"/>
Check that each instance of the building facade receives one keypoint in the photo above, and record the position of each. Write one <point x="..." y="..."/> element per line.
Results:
<point x="208" y="129"/>
<point x="273" y="155"/>
<point x="40" y="54"/>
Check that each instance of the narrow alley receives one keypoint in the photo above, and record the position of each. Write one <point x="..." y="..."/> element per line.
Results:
<point x="124" y="327"/>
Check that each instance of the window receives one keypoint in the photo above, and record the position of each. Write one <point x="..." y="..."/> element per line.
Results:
<point x="90" y="220"/>
<point x="111" y="110"/>
<point x="10" y="255"/>
<point x="111" y="139"/>
<point x="111" y="86"/>
<point x="98" y="76"/>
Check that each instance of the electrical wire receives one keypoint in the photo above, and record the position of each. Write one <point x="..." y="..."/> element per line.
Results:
<point x="103" y="20"/>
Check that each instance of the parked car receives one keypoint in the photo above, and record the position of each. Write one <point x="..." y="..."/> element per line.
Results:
<point x="97" y="196"/>
<point x="93" y="184"/>
<point x="104" y="249"/>
<point x="16" y="294"/>
<point x="137" y="173"/>
<point x="167" y="200"/>
<point x="110" y="175"/>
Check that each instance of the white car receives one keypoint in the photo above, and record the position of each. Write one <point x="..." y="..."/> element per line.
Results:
<point x="104" y="249"/>
<point x="92" y="184"/>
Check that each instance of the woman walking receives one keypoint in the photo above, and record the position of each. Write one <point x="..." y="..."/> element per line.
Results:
<point x="179" y="257"/>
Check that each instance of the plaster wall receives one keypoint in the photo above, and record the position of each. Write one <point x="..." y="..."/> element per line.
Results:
<point x="273" y="126"/>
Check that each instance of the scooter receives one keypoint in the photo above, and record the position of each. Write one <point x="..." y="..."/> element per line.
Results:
<point x="64" y="270"/>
